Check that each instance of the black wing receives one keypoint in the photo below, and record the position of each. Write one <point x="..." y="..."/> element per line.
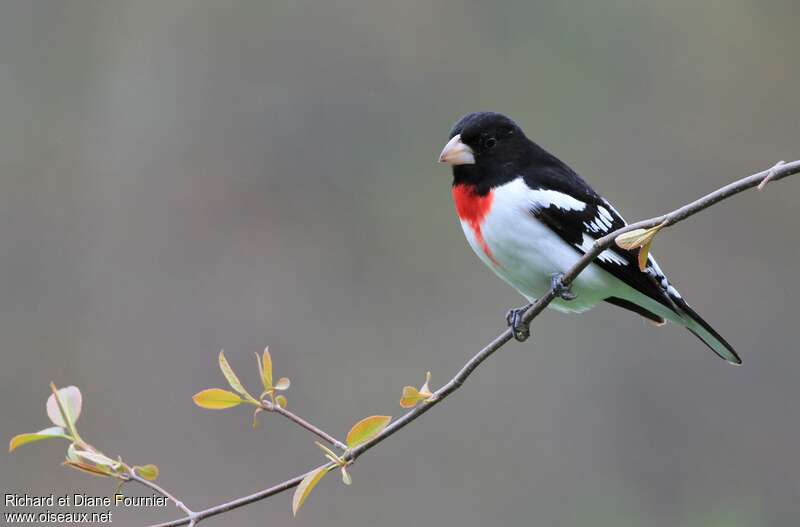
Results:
<point x="573" y="210"/>
<point x="580" y="227"/>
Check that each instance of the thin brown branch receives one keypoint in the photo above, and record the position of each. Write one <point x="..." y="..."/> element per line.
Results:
<point x="191" y="516"/>
<point x="239" y="502"/>
<point x="775" y="173"/>
<point x="269" y="406"/>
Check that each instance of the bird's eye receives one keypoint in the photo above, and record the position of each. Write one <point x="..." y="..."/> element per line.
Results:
<point x="490" y="142"/>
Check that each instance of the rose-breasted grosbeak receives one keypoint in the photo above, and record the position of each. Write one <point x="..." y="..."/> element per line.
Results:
<point x="530" y="217"/>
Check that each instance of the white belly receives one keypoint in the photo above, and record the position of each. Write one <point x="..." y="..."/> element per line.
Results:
<point x="526" y="254"/>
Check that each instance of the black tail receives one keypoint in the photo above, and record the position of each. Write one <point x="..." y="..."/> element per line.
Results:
<point x="705" y="332"/>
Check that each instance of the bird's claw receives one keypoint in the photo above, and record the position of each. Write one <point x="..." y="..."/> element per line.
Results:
<point x="562" y="291"/>
<point x="521" y="330"/>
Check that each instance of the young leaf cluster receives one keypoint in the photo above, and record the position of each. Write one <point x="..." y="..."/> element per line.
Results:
<point x="219" y="399"/>
<point x="270" y="400"/>
<point x="413" y="396"/>
<point x="63" y="408"/>
<point x="361" y="432"/>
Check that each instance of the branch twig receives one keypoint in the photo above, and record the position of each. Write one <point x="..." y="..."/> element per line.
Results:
<point x="779" y="171"/>
<point x="191" y="517"/>
<point x="771" y="175"/>
<point x="272" y="407"/>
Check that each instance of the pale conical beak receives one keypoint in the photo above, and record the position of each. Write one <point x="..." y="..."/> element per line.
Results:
<point x="457" y="153"/>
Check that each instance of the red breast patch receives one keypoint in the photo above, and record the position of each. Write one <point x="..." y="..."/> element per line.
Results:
<point x="473" y="209"/>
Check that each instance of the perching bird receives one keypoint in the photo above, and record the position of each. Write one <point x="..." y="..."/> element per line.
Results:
<point x="530" y="217"/>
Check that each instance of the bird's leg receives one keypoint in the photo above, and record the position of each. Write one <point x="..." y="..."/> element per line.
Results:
<point x="562" y="291"/>
<point x="520" y="329"/>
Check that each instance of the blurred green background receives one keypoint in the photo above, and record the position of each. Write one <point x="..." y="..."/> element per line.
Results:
<point x="184" y="176"/>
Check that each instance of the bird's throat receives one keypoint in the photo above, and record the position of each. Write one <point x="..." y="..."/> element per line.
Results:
<point x="472" y="208"/>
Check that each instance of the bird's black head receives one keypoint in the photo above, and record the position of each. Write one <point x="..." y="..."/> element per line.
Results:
<point x="486" y="149"/>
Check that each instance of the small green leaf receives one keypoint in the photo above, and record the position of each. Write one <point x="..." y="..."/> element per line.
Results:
<point x="640" y="239"/>
<point x="366" y="429"/>
<point x="72" y="402"/>
<point x="260" y="368"/>
<point x="632" y="239"/>
<point x="346" y="479"/>
<point x="644" y="252"/>
<point x="281" y="401"/>
<point x="330" y="454"/>
<point x="64" y="411"/>
<point x="410" y="397"/>
<point x="89" y="469"/>
<point x="216" y="399"/>
<point x="94" y="463"/>
<point x="255" y="417"/>
<point x="96" y="458"/>
<point x="148" y="472"/>
<point x="233" y="380"/>
<point x="266" y="370"/>
<point x="283" y="383"/>
<point x="305" y="487"/>
<point x="72" y="453"/>
<point x="425" y="389"/>
<point x="47" y="433"/>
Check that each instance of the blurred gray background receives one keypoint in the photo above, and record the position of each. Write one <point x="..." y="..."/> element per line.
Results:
<point x="184" y="176"/>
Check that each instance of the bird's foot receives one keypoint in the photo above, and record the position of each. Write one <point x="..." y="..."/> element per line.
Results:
<point x="562" y="291"/>
<point x="520" y="329"/>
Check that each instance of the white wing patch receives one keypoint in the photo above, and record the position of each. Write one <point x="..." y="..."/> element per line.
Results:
<point x="602" y="223"/>
<point x="604" y="218"/>
<point x="605" y="214"/>
<point x="615" y="211"/>
<point x="608" y="256"/>
<point x="542" y="199"/>
<point x="592" y="226"/>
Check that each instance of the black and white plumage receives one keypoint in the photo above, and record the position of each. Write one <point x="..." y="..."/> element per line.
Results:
<point x="529" y="217"/>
